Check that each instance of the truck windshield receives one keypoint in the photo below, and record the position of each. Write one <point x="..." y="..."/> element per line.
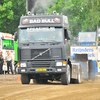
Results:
<point x="41" y="34"/>
<point x="87" y="37"/>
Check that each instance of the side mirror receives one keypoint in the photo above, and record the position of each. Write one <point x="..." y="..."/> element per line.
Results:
<point x="67" y="35"/>
<point x="15" y="36"/>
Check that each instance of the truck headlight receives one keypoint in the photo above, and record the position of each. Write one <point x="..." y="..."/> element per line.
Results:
<point x="58" y="63"/>
<point x="23" y="64"/>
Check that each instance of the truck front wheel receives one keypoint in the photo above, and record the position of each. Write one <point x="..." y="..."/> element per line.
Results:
<point x="65" y="77"/>
<point x="16" y="69"/>
<point x="25" y="79"/>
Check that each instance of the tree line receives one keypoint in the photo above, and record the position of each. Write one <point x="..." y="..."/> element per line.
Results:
<point x="83" y="15"/>
<point x="10" y="13"/>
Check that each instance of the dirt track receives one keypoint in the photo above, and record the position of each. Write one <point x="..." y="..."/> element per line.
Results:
<point x="11" y="89"/>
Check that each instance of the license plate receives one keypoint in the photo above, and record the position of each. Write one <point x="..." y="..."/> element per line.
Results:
<point x="40" y="69"/>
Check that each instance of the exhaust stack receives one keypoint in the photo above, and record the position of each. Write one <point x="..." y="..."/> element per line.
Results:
<point x="30" y="5"/>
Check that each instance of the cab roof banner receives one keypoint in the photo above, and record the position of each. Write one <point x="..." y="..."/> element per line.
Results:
<point x="40" y="20"/>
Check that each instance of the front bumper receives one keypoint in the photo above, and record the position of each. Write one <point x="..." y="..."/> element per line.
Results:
<point x="45" y="70"/>
<point x="43" y="67"/>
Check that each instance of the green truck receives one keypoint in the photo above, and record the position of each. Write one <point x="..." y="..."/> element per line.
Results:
<point x="7" y="43"/>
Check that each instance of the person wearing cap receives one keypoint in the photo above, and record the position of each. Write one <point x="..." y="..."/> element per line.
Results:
<point x="1" y="62"/>
<point x="9" y="61"/>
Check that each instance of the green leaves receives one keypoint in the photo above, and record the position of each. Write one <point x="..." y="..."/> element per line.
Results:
<point x="10" y="12"/>
<point x="84" y="15"/>
<point x="6" y="14"/>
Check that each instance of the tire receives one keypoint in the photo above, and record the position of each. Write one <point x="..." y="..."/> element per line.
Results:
<point x="65" y="77"/>
<point x="73" y="81"/>
<point x="16" y="69"/>
<point x="25" y="79"/>
<point x="78" y="80"/>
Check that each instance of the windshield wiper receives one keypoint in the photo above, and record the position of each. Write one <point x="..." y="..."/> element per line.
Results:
<point x="54" y="42"/>
<point x="31" y="42"/>
<point x="26" y="44"/>
<point x="39" y="40"/>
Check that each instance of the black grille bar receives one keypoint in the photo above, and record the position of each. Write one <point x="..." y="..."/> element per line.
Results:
<point x="42" y="64"/>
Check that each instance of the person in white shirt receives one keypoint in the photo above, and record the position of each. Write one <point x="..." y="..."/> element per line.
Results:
<point x="9" y="61"/>
<point x="1" y="62"/>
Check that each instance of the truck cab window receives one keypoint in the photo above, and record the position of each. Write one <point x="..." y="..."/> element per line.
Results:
<point x="40" y="34"/>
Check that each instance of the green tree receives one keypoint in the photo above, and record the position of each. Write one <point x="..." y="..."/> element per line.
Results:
<point x="10" y="13"/>
<point x="70" y="8"/>
<point x="6" y="14"/>
<point x="18" y="8"/>
<point x="92" y="15"/>
<point x="83" y="14"/>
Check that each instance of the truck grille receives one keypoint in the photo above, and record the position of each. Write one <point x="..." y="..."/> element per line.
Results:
<point x="35" y="52"/>
<point x="41" y="64"/>
<point x="25" y="54"/>
<point x="28" y="54"/>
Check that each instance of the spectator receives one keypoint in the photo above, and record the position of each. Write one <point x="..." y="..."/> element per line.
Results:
<point x="1" y="62"/>
<point x="9" y="61"/>
<point x="29" y="37"/>
<point x="88" y="39"/>
<point x="58" y="36"/>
